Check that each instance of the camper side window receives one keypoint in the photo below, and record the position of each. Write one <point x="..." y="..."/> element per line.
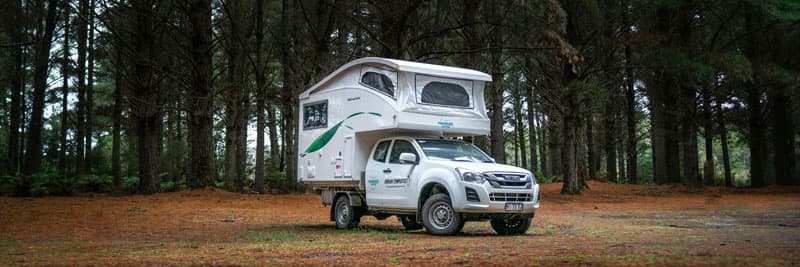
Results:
<point x="380" y="152"/>
<point x="379" y="82"/>
<point x="446" y="94"/>
<point x="315" y="115"/>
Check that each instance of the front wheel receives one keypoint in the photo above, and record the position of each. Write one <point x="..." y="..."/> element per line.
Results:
<point x="410" y="222"/>
<point x="439" y="217"/>
<point x="346" y="216"/>
<point x="510" y="224"/>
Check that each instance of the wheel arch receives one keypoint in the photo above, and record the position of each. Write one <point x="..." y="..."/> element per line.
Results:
<point x="429" y="189"/>
<point x="356" y="200"/>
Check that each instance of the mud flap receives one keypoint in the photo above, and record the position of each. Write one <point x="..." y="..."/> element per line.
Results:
<point x="356" y="200"/>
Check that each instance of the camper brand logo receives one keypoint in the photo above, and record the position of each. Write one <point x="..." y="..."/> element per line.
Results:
<point x="445" y="124"/>
<point x="326" y="137"/>
<point x="353" y="98"/>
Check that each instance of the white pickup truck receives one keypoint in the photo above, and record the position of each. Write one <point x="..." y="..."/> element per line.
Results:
<point x="388" y="149"/>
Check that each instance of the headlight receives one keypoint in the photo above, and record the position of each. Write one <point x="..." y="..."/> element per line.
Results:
<point x="471" y="176"/>
<point x="533" y="178"/>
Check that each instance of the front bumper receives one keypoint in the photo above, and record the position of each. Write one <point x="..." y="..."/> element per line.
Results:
<point x="486" y="205"/>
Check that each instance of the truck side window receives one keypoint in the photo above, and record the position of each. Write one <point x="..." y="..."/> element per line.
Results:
<point x="380" y="151"/>
<point x="379" y="82"/>
<point x="401" y="146"/>
<point x="315" y="115"/>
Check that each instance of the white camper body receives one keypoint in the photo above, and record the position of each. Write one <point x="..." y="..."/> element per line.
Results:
<point x="342" y="116"/>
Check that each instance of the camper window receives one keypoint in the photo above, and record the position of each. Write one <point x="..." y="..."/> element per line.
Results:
<point x="446" y="94"/>
<point x="315" y="115"/>
<point x="440" y="91"/>
<point x="379" y="82"/>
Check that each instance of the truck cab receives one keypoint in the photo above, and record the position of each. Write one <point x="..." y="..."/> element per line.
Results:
<point x="440" y="184"/>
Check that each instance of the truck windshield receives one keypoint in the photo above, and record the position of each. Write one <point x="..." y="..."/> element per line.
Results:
<point x="452" y="150"/>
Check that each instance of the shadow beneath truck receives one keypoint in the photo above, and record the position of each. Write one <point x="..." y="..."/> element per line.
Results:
<point x="367" y="229"/>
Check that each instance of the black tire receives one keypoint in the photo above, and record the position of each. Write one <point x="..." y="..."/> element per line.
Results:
<point x="439" y="217"/>
<point x="346" y="216"/>
<point x="510" y="224"/>
<point x="410" y="222"/>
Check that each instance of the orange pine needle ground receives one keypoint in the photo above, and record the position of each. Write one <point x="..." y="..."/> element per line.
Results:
<point x="608" y="224"/>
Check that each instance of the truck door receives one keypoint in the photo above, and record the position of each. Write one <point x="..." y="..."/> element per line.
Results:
<point x="397" y="184"/>
<point x="374" y="175"/>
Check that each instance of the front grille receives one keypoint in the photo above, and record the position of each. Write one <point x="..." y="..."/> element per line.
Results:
<point x="511" y="197"/>
<point x="498" y="183"/>
<point x="508" y="180"/>
<point x="472" y="195"/>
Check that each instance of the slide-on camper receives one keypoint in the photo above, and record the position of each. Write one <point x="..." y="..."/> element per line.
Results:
<point x="374" y="140"/>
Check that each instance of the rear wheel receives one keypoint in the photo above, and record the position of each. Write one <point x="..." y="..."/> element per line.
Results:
<point x="510" y="224"/>
<point x="439" y="217"/>
<point x="346" y="216"/>
<point x="410" y="222"/>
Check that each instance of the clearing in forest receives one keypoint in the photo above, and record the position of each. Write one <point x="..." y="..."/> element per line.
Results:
<point x="608" y="224"/>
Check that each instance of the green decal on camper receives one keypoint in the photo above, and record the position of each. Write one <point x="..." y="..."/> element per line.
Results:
<point x="373" y="182"/>
<point x="326" y="137"/>
<point x="445" y="124"/>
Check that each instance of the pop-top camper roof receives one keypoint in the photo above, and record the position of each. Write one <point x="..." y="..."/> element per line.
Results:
<point x="404" y="66"/>
<point x="411" y="96"/>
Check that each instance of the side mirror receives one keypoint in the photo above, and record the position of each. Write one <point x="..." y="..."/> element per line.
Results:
<point x="492" y="159"/>
<point x="408" y="158"/>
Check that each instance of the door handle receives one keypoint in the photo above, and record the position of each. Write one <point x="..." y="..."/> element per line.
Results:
<point x="387" y="170"/>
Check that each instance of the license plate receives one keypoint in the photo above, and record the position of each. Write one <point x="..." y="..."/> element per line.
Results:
<point x="513" y="206"/>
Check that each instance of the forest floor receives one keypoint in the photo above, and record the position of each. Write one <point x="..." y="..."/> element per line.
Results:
<point x="608" y="224"/>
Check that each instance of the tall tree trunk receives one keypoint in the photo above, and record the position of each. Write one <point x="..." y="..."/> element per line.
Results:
<point x="33" y="155"/>
<point x="80" y="121"/>
<point x="130" y="136"/>
<point x="532" y="128"/>
<point x="723" y="136"/>
<point x="17" y="85"/>
<point x="581" y="157"/>
<point x="609" y="140"/>
<point x="520" y="129"/>
<point x="708" y="166"/>
<point x="235" y="112"/>
<point x="201" y="97"/>
<point x="690" y="152"/>
<point x="145" y="93"/>
<point x="292" y="81"/>
<point x="496" y="108"/>
<point x="620" y="161"/>
<point x="570" y="185"/>
<point x="87" y="162"/>
<point x="543" y="142"/>
<point x="630" y="115"/>
<point x="62" y="153"/>
<point x="783" y="137"/>
<point x="571" y="123"/>
<point x="658" y="136"/>
<point x="272" y="125"/>
<point x="116" y="117"/>
<point x="754" y="93"/>
<point x="260" y="97"/>
<point x="555" y="141"/>
<point x="591" y="156"/>
<point x="756" y="137"/>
